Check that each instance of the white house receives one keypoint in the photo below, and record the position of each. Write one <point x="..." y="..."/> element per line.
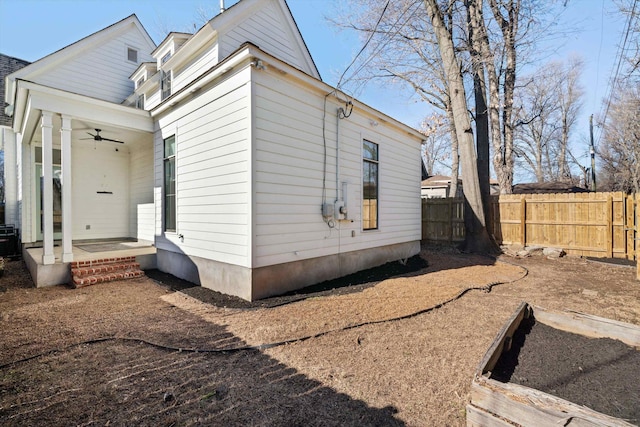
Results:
<point x="251" y="176"/>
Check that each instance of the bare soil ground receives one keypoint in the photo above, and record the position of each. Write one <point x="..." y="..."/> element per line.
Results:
<point x="89" y="356"/>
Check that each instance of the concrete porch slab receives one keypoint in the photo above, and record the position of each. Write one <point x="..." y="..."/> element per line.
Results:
<point x="59" y="273"/>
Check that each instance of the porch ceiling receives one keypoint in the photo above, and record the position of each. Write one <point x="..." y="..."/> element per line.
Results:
<point x="82" y="128"/>
<point x="130" y="125"/>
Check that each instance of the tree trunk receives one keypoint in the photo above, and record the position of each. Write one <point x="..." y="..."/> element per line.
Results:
<point x="480" y="96"/>
<point x="455" y="156"/>
<point x="476" y="237"/>
<point x="509" y="29"/>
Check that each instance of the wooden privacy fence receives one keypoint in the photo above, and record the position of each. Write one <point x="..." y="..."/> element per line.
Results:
<point x="586" y="224"/>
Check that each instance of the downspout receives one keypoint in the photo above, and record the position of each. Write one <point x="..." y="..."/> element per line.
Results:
<point x="339" y="112"/>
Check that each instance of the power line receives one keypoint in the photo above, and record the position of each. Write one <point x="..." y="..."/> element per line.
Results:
<point x="620" y="56"/>
<point x="365" y="44"/>
<point x="389" y="38"/>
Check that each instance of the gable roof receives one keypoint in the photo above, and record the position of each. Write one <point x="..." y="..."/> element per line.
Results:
<point x="228" y="19"/>
<point x="74" y="49"/>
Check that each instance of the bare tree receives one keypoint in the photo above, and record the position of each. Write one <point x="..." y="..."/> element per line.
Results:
<point x="476" y="236"/>
<point x="620" y="148"/>
<point x="402" y="51"/>
<point x="547" y="110"/>
<point x="631" y="10"/>
<point x="436" y="148"/>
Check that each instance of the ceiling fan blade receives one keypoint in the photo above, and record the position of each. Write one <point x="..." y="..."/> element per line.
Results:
<point x="112" y="140"/>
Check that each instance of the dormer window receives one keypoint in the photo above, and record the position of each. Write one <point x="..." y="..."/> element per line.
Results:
<point x="165" y="58"/>
<point x="132" y="55"/>
<point x="139" y="82"/>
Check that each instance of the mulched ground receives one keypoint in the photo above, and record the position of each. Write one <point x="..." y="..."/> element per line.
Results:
<point x="356" y="282"/>
<point x="413" y="371"/>
<point x="602" y="374"/>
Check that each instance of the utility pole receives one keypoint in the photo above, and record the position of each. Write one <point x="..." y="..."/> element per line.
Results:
<point x="592" y="152"/>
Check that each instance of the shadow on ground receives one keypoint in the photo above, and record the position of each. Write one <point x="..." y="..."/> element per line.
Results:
<point x="124" y="381"/>
<point x="129" y="383"/>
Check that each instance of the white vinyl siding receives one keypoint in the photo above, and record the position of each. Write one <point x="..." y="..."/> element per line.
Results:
<point x="288" y="177"/>
<point x="152" y="99"/>
<point x="267" y="30"/>
<point x="100" y="72"/>
<point x="212" y="173"/>
<point x="201" y="62"/>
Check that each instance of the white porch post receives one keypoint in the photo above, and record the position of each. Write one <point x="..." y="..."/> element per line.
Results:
<point x="65" y="139"/>
<point x="47" y="187"/>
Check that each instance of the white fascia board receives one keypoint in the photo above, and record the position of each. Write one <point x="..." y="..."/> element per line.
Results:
<point x="291" y="72"/>
<point x="70" y="51"/>
<point x="32" y="96"/>
<point x="182" y="56"/>
<point x="243" y="55"/>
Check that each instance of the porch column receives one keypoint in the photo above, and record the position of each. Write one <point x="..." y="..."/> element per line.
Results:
<point x="65" y="140"/>
<point x="47" y="187"/>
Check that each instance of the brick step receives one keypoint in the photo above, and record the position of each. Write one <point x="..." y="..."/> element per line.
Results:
<point x="105" y="268"/>
<point x="102" y="261"/>
<point x="79" y="282"/>
<point x="90" y="272"/>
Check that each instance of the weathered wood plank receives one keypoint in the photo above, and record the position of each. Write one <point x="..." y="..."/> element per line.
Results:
<point x="588" y="325"/>
<point x="505" y="335"/>
<point x="529" y="407"/>
<point x="476" y="417"/>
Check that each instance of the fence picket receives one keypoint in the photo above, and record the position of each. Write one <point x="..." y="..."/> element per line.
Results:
<point x="588" y="224"/>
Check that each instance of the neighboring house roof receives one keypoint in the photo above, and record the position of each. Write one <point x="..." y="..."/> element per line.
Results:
<point x="72" y="50"/>
<point x="437" y="181"/>
<point x="547" y="187"/>
<point x="8" y="65"/>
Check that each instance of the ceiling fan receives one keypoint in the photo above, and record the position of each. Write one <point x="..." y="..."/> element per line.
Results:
<point x="98" y="137"/>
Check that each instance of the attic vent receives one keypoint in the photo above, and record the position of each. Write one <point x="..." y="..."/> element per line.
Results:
<point x="132" y="55"/>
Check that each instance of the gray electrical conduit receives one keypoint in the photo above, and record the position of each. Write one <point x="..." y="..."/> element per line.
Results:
<point x="485" y="288"/>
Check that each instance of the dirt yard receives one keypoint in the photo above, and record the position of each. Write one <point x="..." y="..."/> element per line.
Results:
<point x="137" y="353"/>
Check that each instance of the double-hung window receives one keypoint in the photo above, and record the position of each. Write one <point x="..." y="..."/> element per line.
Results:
<point x="170" y="183"/>
<point x="369" y="185"/>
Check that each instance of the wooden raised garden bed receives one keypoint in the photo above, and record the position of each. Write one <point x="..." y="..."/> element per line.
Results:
<point x="551" y="368"/>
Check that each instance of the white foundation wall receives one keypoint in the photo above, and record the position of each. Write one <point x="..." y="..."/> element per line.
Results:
<point x="213" y="158"/>
<point x="101" y="176"/>
<point x="289" y="163"/>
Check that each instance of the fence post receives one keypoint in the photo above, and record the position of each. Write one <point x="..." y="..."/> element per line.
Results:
<point x="450" y="205"/>
<point x="629" y="234"/>
<point x="609" y="242"/>
<point x="523" y="221"/>
<point x="636" y="233"/>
